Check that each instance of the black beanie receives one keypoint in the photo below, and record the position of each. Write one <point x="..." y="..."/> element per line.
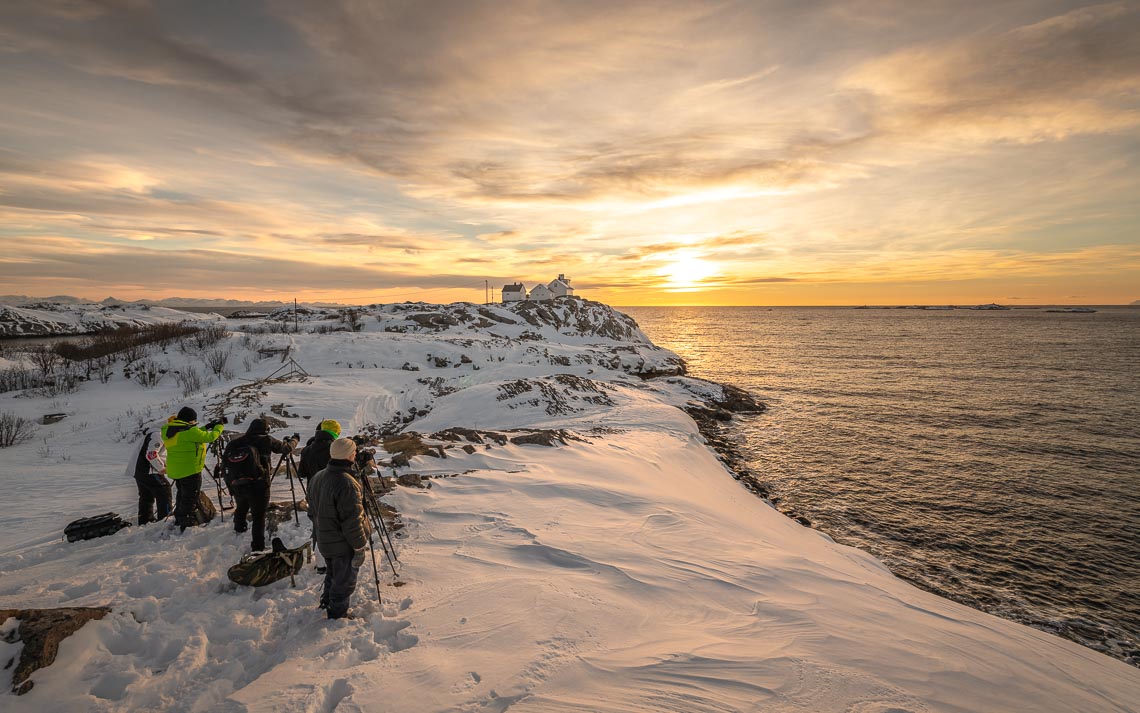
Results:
<point x="256" y="427"/>
<point x="187" y="414"/>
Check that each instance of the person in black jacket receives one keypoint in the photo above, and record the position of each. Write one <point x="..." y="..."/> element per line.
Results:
<point x="315" y="455"/>
<point x="252" y="496"/>
<point x="336" y="508"/>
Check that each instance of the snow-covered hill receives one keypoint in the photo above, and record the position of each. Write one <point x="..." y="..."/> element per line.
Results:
<point x="53" y="319"/>
<point x="619" y="569"/>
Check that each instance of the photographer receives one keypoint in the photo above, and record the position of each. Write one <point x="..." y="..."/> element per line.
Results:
<point x="148" y="467"/>
<point x="315" y="455"/>
<point x="185" y="457"/>
<point x="340" y="525"/>
<point x="248" y="474"/>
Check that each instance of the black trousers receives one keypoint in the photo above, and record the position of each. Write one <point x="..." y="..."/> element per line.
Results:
<point x="154" y="490"/>
<point x="251" y="498"/>
<point x="186" y="498"/>
<point x="340" y="583"/>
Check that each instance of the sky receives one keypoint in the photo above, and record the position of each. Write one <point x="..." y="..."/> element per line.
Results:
<point x="801" y="152"/>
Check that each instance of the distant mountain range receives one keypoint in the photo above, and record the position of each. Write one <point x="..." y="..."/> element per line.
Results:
<point x="171" y="302"/>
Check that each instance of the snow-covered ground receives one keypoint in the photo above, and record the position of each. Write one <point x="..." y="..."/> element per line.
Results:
<point x="623" y="572"/>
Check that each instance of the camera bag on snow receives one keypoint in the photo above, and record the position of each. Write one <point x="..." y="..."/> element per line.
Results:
<point x="204" y="512"/>
<point x="88" y="528"/>
<point x="260" y="568"/>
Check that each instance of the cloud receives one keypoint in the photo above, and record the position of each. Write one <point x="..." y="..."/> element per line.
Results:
<point x="185" y="271"/>
<point x="117" y="38"/>
<point x="773" y="140"/>
<point x="1074" y="73"/>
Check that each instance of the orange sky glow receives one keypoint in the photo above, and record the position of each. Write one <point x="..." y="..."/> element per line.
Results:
<point x="658" y="153"/>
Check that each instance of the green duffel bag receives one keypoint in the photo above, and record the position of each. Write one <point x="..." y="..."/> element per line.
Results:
<point x="260" y="568"/>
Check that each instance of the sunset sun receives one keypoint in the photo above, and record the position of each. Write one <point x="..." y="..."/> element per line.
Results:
<point x="686" y="274"/>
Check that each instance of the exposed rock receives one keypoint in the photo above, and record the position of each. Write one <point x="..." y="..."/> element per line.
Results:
<point x="41" y="631"/>
<point x="282" y="411"/>
<point x="272" y="422"/>
<point x="738" y="400"/>
<point x="437" y="386"/>
<point x="413" y="480"/>
<point x="491" y="315"/>
<point x="457" y="433"/>
<point x="282" y="512"/>
<point x="408" y="445"/>
<point x="545" y="437"/>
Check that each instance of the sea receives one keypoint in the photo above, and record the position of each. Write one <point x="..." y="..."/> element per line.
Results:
<point x="990" y="457"/>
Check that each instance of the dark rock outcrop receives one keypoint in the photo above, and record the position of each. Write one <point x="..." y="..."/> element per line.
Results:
<point x="41" y="631"/>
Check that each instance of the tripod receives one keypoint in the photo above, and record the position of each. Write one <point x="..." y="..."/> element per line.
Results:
<point x="376" y="517"/>
<point x="289" y="470"/>
<point x="218" y="446"/>
<point x="372" y="508"/>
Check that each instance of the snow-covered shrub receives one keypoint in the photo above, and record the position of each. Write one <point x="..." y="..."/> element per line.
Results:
<point x="14" y="429"/>
<point x="268" y="328"/>
<point x="64" y="381"/>
<point x="216" y="360"/>
<point x="351" y="319"/>
<point x="44" y="359"/>
<point x="18" y="377"/>
<point x="134" y="352"/>
<point x="206" y="337"/>
<point x="104" y="368"/>
<point x="190" y="381"/>
<point x="148" y="373"/>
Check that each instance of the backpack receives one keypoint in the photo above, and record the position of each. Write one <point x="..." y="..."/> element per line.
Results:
<point x="204" y="512"/>
<point x="242" y="464"/>
<point x="88" y="528"/>
<point x="259" y="569"/>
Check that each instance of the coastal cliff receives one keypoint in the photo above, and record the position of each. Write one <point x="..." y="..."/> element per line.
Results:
<point x="615" y="565"/>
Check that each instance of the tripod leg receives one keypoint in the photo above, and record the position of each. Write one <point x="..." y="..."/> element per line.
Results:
<point x="375" y="571"/>
<point x="292" y="492"/>
<point x="293" y="465"/>
<point x="378" y="517"/>
<point x="221" y="505"/>
<point x="383" y="526"/>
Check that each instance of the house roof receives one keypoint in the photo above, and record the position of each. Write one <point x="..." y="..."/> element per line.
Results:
<point x="513" y="288"/>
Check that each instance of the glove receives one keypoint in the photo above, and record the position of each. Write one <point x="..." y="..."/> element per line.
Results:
<point x="358" y="559"/>
<point x="212" y="425"/>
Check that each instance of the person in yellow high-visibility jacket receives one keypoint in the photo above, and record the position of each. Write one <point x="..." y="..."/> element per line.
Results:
<point x="185" y="457"/>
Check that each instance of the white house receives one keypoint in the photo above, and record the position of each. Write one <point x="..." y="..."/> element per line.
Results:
<point x="561" y="287"/>
<point x="514" y="292"/>
<point x="541" y="293"/>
